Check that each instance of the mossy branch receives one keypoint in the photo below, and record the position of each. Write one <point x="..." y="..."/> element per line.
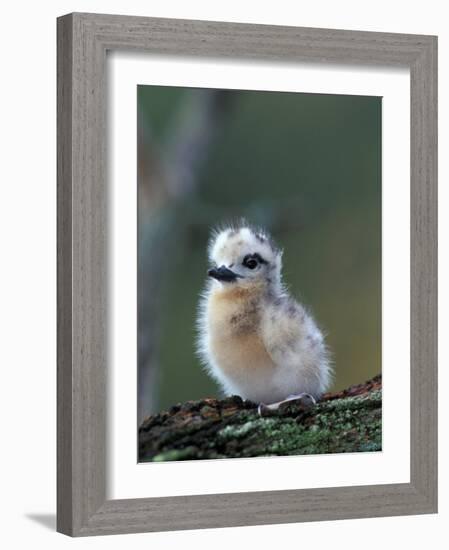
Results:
<point x="347" y="421"/>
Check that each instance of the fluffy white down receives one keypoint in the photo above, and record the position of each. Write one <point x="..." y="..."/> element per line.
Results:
<point x="254" y="339"/>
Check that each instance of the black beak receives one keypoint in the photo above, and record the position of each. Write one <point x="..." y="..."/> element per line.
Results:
<point x="223" y="274"/>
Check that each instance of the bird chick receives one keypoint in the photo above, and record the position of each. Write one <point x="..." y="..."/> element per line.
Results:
<point x="254" y="338"/>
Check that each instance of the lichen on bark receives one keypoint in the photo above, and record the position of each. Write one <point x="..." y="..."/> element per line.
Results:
<point x="347" y="421"/>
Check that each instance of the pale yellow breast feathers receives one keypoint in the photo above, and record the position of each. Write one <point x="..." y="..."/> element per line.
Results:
<point x="235" y="341"/>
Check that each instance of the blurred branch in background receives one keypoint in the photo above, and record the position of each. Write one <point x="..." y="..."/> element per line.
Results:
<point x="166" y="179"/>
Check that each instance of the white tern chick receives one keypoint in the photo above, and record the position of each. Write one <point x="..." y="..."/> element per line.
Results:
<point x="255" y="339"/>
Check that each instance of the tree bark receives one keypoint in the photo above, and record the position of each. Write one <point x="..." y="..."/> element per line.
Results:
<point x="347" y="421"/>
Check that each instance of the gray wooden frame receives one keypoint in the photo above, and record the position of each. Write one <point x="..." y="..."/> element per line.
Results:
<point x="83" y="40"/>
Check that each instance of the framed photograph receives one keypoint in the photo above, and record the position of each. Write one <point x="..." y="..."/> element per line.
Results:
<point x="247" y="259"/>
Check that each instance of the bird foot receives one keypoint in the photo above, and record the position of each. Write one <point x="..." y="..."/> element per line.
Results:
<point x="305" y="399"/>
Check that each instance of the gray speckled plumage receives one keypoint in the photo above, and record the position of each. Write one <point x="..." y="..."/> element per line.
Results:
<point x="254" y="338"/>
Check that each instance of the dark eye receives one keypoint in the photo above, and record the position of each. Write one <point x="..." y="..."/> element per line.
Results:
<point x="250" y="262"/>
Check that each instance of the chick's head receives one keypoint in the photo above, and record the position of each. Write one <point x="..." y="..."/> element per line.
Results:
<point x="244" y="257"/>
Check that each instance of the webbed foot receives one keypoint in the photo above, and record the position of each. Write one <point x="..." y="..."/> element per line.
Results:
<point x="306" y="400"/>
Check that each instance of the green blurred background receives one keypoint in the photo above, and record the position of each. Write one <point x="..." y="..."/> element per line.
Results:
<point x="305" y="166"/>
